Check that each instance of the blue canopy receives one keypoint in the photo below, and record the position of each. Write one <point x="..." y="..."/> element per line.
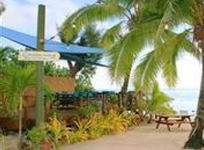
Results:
<point x="70" y="51"/>
<point x="30" y="41"/>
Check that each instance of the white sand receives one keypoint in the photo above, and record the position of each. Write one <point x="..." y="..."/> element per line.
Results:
<point x="144" y="137"/>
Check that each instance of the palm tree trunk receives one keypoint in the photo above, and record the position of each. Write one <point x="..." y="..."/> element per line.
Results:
<point x="124" y="91"/>
<point x="195" y="140"/>
<point x="125" y="85"/>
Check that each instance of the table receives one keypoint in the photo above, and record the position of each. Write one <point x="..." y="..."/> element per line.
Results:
<point x="170" y="120"/>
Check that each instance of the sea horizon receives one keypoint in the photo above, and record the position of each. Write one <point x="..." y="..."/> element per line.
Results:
<point x="182" y="98"/>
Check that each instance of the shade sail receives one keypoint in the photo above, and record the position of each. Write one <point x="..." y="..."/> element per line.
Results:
<point x="50" y="45"/>
<point x="68" y="52"/>
<point x="78" y="59"/>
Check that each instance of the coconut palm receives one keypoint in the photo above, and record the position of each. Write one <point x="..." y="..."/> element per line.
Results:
<point x="169" y="45"/>
<point x="149" y="27"/>
<point x="104" y="10"/>
<point x="13" y="82"/>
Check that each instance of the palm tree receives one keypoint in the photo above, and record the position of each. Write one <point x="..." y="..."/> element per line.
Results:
<point x="149" y="27"/>
<point x="13" y="82"/>
<point x="169" y="45"/>
<point x="113" y="38"/>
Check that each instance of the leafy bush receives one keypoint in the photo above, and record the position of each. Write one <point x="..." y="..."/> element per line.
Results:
<point x="51" y="69"/>
<point x="37" y="136"/>
<point x="113" y="99"/>
<point x="57" y="130"/>
<point x="156" y="102"/>
<point x="90" y="128"/>
<point x="98" y="125"/>
<point x="87" y="111"/>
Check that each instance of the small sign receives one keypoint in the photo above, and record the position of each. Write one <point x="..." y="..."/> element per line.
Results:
<point x="38" y="56"/>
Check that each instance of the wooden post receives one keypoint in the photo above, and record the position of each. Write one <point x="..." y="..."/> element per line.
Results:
<point x="40" y="70"/>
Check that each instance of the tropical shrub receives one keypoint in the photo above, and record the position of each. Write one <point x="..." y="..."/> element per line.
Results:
<point x="113" y="99"/>
<point x="131" y="118"/>
<point x="98" y="125"/>
<point x="37" y="136"/>
<point x="13" y="82"/>
<point x="87" y="111"/>
<point x="90" y="128"/>
<point x="83" y="82"/>
<point x="58" y="131"/>
<point x="157" y="102"/>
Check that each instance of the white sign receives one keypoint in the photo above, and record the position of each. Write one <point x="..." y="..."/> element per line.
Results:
<point x="38" y="56"/>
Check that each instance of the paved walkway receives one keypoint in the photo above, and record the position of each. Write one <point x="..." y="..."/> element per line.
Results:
<point x="143" y="137"/>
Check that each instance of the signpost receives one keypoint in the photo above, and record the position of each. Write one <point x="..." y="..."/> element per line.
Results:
<point x="38" y="56"/>
<point x="40" y="119"/>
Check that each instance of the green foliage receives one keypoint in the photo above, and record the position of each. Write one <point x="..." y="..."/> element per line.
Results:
<point x="9" y="55"/>
<point x="98" y="125"/>
<point x="95" y="126"/>
<point x="85" y="67"/>
<point x="143" y="26"/>
<point x="87" y="111"/>
<point x="37" y="136"/>
<point x="156" y="103"/>
<point x="87" y="15"/>
<point x="83" y="82"/>
<point x="49" y="95"/>
<point x="51" y="69"/>
<point x="113" y="99"/>
<point x="14" y="80"/>
<point x="57" y="131"/>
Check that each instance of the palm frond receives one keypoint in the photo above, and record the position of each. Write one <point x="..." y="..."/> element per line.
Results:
<point x="173" y="48"/>
<point x="111" y="36"/>
<point x="146" y="72"/>
<point x="124" y="53"/>
<point x="164" y="59"/>
<point x="159" y="101"/>
<point x="87" y="15"/>
<point x="14" y="82"/>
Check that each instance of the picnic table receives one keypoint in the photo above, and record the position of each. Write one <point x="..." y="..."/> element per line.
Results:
<point x="170" y="120"/>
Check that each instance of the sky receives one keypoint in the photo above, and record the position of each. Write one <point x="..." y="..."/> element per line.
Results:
<point x="21" y="15"/>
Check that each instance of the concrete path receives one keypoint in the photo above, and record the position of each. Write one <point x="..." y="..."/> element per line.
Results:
<point x="143" y="137"/>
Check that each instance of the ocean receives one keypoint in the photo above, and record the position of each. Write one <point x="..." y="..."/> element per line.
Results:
<point x="183" y="99"/>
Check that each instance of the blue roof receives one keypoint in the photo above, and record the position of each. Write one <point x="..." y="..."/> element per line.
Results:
<point x="50" y="45"/>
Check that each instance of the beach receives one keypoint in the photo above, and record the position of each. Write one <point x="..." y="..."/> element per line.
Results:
<point x="143" y="137"/>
